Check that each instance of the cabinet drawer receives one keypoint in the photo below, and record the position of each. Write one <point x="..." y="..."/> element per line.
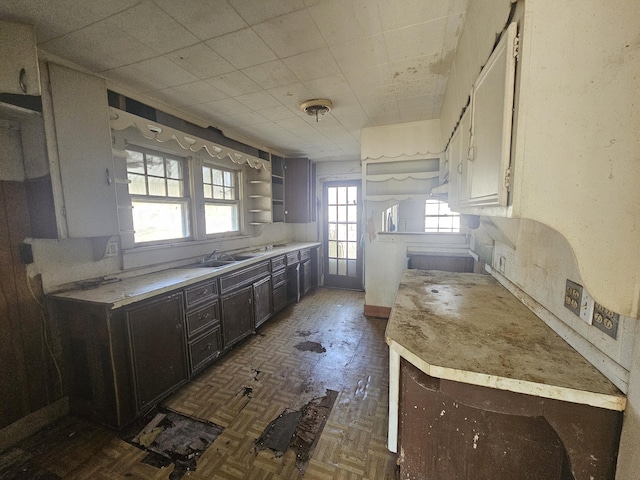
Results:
<point x="278" y="278"/>
<point x="200" y="293"/>
<point x="243" y="277"/>
<point x="204" y="349"/>
<point x="305" y="254"/>
<point x="278" y="263"/>
<point x="200" y="319"/>
<point x="292" y="258"/>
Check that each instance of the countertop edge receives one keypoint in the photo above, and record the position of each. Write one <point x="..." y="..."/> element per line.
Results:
<point x="594" y="399"/>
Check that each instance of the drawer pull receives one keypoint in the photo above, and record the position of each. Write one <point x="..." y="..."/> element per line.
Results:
<point x="204" y="291"/>
<point x="207" y="347"/>
<point x="203" y="317"/>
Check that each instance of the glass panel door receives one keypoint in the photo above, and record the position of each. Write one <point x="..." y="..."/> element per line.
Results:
<point x="343" y="258"/>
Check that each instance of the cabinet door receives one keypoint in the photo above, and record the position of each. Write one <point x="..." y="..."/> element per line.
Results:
<point x="83" y="136"/>
<point x="18" y="56"/>
<point x="492" y="115"/>
<point x="306" y="276"/>
<point x="237" y="315"/>
<point x="298" y="183"/>
<point x="158" y="348"/>
<point x="458" y="164"/>
<point x="262" y="300"/>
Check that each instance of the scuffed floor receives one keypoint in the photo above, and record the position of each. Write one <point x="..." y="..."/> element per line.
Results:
<point x="249" y="388"/>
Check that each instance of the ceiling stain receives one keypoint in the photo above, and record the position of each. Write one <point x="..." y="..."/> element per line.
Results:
<point x="442" y="66"/>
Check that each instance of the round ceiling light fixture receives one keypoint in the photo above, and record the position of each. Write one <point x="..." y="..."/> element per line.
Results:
<point x="317" y="107"/>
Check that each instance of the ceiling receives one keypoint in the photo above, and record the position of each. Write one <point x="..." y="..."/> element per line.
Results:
<point x="245" y="66"/>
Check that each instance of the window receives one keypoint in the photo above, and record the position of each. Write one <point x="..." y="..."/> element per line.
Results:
<point x="221" y="204"/>
<point x="439" y="218"/>
<point x="159" y="195"/>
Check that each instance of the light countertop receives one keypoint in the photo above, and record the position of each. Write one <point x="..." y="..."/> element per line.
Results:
<point x="467" y="327"/>
<point x="135" y="289"/>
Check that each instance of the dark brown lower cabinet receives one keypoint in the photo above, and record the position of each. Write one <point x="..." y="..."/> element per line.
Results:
<point x="157" y="348"/>
<point x="450" y="430"/>
<point x="237" y="315"/>
<point x="306" y="278"/>
<point x="262" y="300"/>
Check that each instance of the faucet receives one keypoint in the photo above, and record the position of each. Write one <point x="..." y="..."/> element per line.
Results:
<point x="211" y="256"/>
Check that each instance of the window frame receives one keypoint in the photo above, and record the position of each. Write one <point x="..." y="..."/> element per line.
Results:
<point x="237" y="201"/>
<point x="439" y="216"/>
<point x="186" y="199"/>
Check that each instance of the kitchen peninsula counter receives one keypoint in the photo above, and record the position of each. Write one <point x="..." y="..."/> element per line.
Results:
<point x="465" y="333"/>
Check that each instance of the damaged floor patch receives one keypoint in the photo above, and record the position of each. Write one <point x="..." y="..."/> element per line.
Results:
<point x="298" y="429"/>
<point x="310" y="347"/>
<point x="170" y="437"/>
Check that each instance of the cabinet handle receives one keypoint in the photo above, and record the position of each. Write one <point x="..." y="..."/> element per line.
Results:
<point x="207" y="347"/>
<point x="21" y="80"/>
<point x="203" y="317"/>
<point x="459" y="168"/>
<point x="203" y="292"/>
<point x="109" y="181"/>
<point x="178" y="326"/>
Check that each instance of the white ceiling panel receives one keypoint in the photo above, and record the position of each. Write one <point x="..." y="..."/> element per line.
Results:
<point x="245" y="66"/>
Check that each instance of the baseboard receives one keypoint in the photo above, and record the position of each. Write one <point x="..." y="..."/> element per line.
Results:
<point x="376" y="311"/>
<point x="27" y="426"/>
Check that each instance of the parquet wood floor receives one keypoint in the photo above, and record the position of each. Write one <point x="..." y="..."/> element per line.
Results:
<point x="250" y="386"/>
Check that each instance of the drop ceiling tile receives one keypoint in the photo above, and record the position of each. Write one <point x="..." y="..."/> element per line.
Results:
<point x="105" y="9"/>
<point x="221" y="108"/>
<point x="417" y="102"/>
<point x="360" y="53"/>
<point x="291" y="95"/>
<point x="383" y="93"/>
<point x="234" y="83"/>
<point x="291" y="34"/>
<point x="204" y="18"/>
<point x="256" y="12"/>
<point x="340" y="21"/>
<point x="415" y="68"/>
<point x="452" y="33"/>
<point x="420" y="40"/>
<point x="414" y="88"/>
<point x="101" y="46"/>
<point x="314" y="64"/>
<point x="188" y="94"/>
<point x="412" y="12"/>
<point x="243" y="119"/>
<point x="328" y="87"/>
<point x="200" y="60"/>
<point x="152" y="26"/>
<point x="270" y="75"/>
<point x="369" y="77"/>
<point x="154" y="74"/>
<point x="377" y="109"/>
<point x="242" y="49"/>
<point x="279" y="112"/>
<point x="259" y="100"/>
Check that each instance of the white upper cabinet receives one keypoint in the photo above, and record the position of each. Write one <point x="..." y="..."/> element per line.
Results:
<point x="84" y="152"/>
<point x="18" y="56"/>
<point x="491" y="120"/>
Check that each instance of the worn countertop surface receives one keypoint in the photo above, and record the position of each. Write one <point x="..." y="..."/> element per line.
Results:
<point x="134" y="289"/>
<point x="467" y="327"/>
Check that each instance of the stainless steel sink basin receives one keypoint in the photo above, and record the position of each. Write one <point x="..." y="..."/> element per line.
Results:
<point x="214" y="263"/>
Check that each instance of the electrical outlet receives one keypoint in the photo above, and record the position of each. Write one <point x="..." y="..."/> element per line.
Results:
<point x="573" y="297"/>
<point x="605" y="320"/>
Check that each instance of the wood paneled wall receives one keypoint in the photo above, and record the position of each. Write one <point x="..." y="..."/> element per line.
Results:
<point x="28" y="379"/>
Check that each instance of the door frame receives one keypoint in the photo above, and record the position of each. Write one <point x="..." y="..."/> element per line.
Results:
<point x="339" y="281"/>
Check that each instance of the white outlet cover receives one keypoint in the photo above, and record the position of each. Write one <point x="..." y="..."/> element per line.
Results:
<point x="586" y="307"/>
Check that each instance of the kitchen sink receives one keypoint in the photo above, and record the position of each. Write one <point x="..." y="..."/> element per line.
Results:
<point x="214" y="263"/>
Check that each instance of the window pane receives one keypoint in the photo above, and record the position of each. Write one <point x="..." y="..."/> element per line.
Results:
<point x="333" y="231"/>
<point x="353" y="233"/>
<point x="431" y="224"/>
<point x="174" y="169"/>
<point x="342" y="213"/>
<point x="333" y="249"/>
<point x="332" y="214"/>
<point x="218" y="193"/>
<point x="352" y="195"/>
<point x="157" y="186"/>
<point x="137" y="185"/>
<point x="217" y="176"/>
<point x="155" y="165"/>
<point x="174" y="188"/>
<point x="352" y="211"/>
<point x="332" y="195"/>
<point x="342" y="249"/>
<point x="221" y="218"/>
<point x="229" y="194"/>
<point x="333" y="266"/>
<point x="208" y="191"/>
<point x="228" y="179"/>
<point x="352" y="250"/>
<point x="342" y="195"/>
<point x="206" y="175"/>
<point x="351" y="268"/>
<point x="342" y="267"/>
<point x="342" y="231"/>
<point x="154" y="221"/>
<point x="135" y="162"/>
